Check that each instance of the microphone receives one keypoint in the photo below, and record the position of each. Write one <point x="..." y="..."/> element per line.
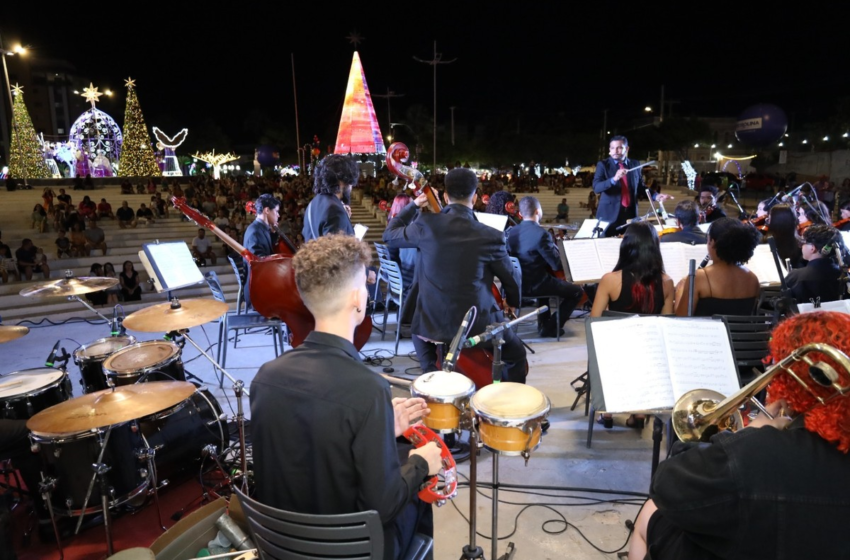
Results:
<point x="452" y="354"/>
<point x="52" y="357"/>
<point x="787" y="196"/>
<point x="704" y="262"/>
<point x="115" y="321"/>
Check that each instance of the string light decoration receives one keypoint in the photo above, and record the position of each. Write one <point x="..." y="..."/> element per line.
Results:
<point x="26" y="159"/>
<point x="216" y="160"/>
<point x="170" y="167"/>
<point x="690" y="173"/>
<point x="137" y="158"/>
<point x="97" y="137"/>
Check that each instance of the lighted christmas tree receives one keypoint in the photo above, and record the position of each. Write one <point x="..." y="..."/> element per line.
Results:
<point x="137" y="157"/>
<point x="26" y="160"/>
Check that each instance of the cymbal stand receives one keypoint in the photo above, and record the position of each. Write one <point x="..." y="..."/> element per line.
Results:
<point x="46" y="488"/>
<point x="148" y="455"/>
<point x="100" y="471"/>
<point x="472" y="551"/>
<point x="90" y="308"/>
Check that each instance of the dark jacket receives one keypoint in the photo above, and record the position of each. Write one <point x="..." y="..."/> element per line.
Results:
<point x="609" y="192"/>
<point x="694" y="236"/>
<point x="324" y="215"/>
<point x="458" y="258"/>
<point x="818" y="279"/>
<point x="533" y="247"/>
<point x="258" y="239"/>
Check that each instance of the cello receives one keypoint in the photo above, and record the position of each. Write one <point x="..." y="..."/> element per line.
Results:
<point x="284" y="245"/>
<point x="272" y="285"/>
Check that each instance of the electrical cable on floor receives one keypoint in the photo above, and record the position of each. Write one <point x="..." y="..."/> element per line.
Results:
<point x="70" y="320"/>
<point x="379" y="357"/>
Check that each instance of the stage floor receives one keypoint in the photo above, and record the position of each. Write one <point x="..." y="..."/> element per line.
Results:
<point x="619" y="460"/>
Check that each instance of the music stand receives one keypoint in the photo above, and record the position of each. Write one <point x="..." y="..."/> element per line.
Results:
<point x="170" y="265"/>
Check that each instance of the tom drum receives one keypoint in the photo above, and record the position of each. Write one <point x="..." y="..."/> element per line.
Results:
<point x="90" y="357"/>
<point x="27" y="392"/>
<point x="154" y="360"/>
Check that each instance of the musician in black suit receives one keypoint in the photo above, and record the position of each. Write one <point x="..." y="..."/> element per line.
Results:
<point x="617" y="187"/>
<point x="687" y="215"/>
<point x="458" y="258"/>
<point x="537" y="255"/>
<point x="258" y="237"/>
<point x="329" y="212"/>
<point x="818" y="280"/>
<point x="709" y="208"/>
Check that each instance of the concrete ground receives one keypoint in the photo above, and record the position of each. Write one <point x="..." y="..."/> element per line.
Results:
<point x="619" y="459"/>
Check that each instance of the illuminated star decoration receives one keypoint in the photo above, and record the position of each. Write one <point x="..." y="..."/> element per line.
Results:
<point x="130" y="83"/>
<point x="355" y="38"/>
<point x="91" y="94"/>
<point x="17" y="89"/>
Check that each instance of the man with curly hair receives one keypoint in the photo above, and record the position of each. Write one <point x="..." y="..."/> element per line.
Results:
<point x="329" y="211"/>
<point x="776" y="489"/>
<point x="323" y="425"/>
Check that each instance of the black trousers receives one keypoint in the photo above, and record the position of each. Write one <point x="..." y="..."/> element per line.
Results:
<point x="513" y="356"/>
<point x="626" y="213"/>
<point x="570" y="295"/>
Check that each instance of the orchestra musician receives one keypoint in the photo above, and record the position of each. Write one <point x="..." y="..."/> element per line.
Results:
<point x="687" y="216"/>
<point x="323" y="425"/>
<point x="709" y="209"/>
<point x="782" y="227"/>
<point x="775" y="489"/>
<point x="537" y="255"/>
<point x="818" y="280"/>
<point x="458" y="259"/>
<point x="618" y="187"/>
<point x="329" y="211"/>
<point x="258" y="236"/>
<point x="843" y="223"/>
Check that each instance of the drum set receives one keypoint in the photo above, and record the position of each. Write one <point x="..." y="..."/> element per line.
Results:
<point x="138" y="424"/>
<point x="505" y="417"/>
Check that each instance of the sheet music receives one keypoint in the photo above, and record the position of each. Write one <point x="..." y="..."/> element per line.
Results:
<point x="704" y="227"/>
<point x="173" y="264"/>
<point x="608" y="249"/>
<point x="699" y="356"/>
<point x="676" y="258"/>
<point x="359" y="231"/>
<point x="633" y="367"/>
<point x="841" y="306"/>
<point x="763" y="265"/>
<point x="495" y="221"/>
<point x="845" y="236"/>
<point x="586" y="229"/>
<point x="583" y="260"/>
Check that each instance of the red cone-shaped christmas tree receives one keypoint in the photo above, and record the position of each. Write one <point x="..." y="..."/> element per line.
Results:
<point x="359" y="132"/>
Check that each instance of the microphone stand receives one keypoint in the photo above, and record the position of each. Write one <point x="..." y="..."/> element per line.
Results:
<point x="784" y="304"/>
<point x="597" y="231"/>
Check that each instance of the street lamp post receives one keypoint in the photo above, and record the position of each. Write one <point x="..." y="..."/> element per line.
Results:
<point x="3" y="54"/>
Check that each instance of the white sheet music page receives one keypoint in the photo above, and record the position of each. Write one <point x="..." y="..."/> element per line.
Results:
<point x="764" y="266"/>
<point x="699" y="356"/>
<point x="608" y="249"/>
<point x="583" y="260"/>
<point x="675" y="265"/>
<point x="633" y="368"/>
<point x="359" y="231"/>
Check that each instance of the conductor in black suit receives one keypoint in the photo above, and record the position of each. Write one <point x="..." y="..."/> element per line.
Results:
<point x="258" y="236"/>
<point x="537" y="255"/>
<point x="617" y="187"/>
<point x="687" y="215"/>
<point x="458" y="259"/>
<point x="329" y="211"/>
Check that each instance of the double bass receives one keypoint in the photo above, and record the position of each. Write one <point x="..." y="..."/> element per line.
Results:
<point x="283" y="245"/>
<point x="271" y="284"/>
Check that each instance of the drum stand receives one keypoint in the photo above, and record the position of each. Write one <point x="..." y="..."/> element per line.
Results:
<point x="46" y="488"/>
<point x="100" y="470"/>
<point x="472" y="551"/>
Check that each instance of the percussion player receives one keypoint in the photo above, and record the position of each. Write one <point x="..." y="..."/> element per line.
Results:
<point x="323" y="425"/>
<point x="776" y="489"/>
<point x="258" y="236"/>
<point x="458" y="258"/>
<point x="537" y="255"/>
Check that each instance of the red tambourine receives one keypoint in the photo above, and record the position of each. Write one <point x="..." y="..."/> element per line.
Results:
<point x="442" y="486"/>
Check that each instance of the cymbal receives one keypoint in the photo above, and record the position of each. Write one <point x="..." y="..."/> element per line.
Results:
<point x="109" y="407"/>
<point x="165" y="317"/>
<point x="69" y="286"/>
<point x="11" y="333"/>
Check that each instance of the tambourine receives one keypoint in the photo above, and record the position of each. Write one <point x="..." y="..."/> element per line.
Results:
<point x="443" y="485"/>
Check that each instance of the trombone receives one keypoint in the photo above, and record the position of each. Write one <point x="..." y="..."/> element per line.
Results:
<point x="701" y="413"/>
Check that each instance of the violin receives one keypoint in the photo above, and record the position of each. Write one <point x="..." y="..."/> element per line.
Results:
<point x="760" y="223"/>
<point x="397" y="155"/>
<point x="283" y="246"/>
<point x="704" y="213"/>
<point x="842" y="225"/>
<point x="801" y="228"/>
<point x="272" y="285"/>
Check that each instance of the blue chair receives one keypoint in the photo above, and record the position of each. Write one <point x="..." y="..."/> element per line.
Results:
<point x="390" y="273"/>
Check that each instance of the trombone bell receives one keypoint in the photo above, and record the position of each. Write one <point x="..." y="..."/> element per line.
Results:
<point x="692" y="409"/>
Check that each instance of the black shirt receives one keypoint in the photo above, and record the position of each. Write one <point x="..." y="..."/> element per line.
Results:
<point x="125" y="214"/>
<point x="818" y="279"/>
<point x="323" y="432"/>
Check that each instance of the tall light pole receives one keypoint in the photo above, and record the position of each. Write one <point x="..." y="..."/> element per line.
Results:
<point x="438" y="59"/>
<point x="389" y="95"/>
<point x="19" y="50"/>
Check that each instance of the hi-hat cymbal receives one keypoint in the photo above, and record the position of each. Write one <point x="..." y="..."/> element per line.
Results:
<point x="11" y="333"/>
<point x="108" y="407"/>
<point x="70" y="286"/>
<point x="166" y="317"/>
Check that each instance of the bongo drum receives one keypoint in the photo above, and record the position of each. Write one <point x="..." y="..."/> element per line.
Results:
<point x="447" y="394"/>
<point x="509" y="417"/>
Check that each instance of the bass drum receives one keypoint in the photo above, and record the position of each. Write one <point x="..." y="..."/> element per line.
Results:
<point x="179" y="434"/>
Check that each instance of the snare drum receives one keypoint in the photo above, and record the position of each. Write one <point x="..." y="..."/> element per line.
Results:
<point x="154" y="360"/>
<point x="509" y="417"/>
<point x="89" y="358"/>
<point x="27" y="392"/>
<point x="69" y="458"/>
<point x="447" y="394"/>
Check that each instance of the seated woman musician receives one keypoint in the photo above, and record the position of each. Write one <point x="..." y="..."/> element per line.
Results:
<point x="775" y="489"/>
<point x="782" y="227"/>
<point x="725" y="287"/>
<point x="843" y="222"/>
<point x="817" y="281"/>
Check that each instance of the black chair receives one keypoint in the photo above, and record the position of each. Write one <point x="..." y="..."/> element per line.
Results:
<point x="750" y="335"/>
<point x="285" y="535"/>
<point x="554" y="301"/>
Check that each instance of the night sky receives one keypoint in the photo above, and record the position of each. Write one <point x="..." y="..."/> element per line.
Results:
<point x="232" y="64"/>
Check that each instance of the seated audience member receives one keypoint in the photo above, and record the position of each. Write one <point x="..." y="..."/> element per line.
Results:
<point x="326" y="470"/>
<point x="782" y="226"/>
<point x="709" y="209"/>
<point x="64" y="199"/>
<point x="563" y="211"/>
<point x="113" y="291"/>
<point x="31" y="261"/>
<point x="221" y="220"/>
<point x="146" y="214"/>
<point x="538" y="255"/>
<point x="8" y="267"/>
<point x="726" y="286"/>
<point x="78" y="241"/>
<point x="126" y="187"/>
<point x="687" y="216"/>
<point x="202" y="248"/>
<point x="104" y="210"/>
<point x="95" y="237"/>
<point x="87" y="207"/>
<point x="88" y="183"/>
<point x="63" y="245"/>
<point x="126" y="216"/>
<point x="96" y="298"/>
<point x="818" y="280"/>
<point x="750" y="493"/>
<point x="131" y="290"/>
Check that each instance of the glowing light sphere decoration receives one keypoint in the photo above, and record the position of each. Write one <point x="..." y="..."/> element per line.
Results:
<point x="761" y="125"/>
<point x="690" y="173"/>
<point x="97" y="137"/>
<point x="268" y="156"/>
